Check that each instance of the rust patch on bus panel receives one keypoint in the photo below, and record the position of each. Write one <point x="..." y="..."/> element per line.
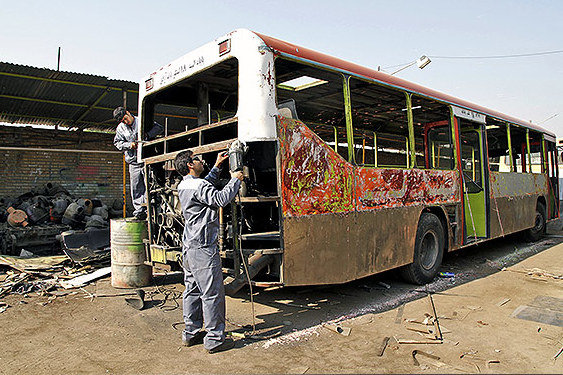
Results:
<point x="315" y="180"/>
<point x="509" y="184"/>
<point x="380" y="188"/>
<point x="348" y="246"/>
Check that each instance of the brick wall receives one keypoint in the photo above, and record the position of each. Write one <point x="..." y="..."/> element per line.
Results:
<point x="83" y="174"/>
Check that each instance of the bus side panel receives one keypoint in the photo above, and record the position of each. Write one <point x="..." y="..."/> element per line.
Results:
<point x="513" y="200"/>
<point x="336" y="248"/>
<point x="325" y="239"/>
<point x="314" y="179"/>
<point x="380" y="188"/>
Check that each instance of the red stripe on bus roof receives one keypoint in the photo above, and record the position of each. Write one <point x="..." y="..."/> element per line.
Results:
<point x="334" y="62"/>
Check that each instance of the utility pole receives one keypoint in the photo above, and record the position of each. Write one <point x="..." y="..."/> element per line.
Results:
<point x="59" y="60"/>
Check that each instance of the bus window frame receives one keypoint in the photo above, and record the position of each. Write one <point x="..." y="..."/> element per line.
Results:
<point x="351" y="145"/>
<point x="427" y="153"/>
<point x="284" y="56"/>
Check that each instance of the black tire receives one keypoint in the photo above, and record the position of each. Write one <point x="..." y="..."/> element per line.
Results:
<point x="428" y="251"/>
<point x="537" y="231"/>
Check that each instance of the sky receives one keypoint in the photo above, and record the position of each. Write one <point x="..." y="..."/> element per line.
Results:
<point x="129" y="39"/>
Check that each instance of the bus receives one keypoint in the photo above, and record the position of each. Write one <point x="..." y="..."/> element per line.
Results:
<point x="348" y="171"/>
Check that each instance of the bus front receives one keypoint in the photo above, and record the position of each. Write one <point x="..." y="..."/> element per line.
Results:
<point x="206" y="100"/>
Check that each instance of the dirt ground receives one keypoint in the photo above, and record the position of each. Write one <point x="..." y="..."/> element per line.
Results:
<point x="78" y="334"/>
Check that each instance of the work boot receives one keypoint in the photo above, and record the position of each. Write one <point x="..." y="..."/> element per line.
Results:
<point x="195" y="340"/>
<point x="225" y="345"/>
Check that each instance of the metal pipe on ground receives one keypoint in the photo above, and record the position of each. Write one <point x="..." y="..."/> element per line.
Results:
<point x="256" y="263"/>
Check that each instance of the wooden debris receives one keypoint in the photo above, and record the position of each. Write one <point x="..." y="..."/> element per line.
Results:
<point x="428" y="355"/>
<point x="503" y="302"/>
<point x="425" y="331"/>
<point x="382" y="347"/>
<point x="32" y="264"/>
<point x="401" y="341"/>
<point x="3" y="307"/>
<point x="85" y="279"/>
<point x="558" y="353"/>
<point x="536" y="272"/>
<point x="287" y="303"/>
<point x="299" y="370"/>
<point x="438" y="332"/>
<point x="492" y="361"/>
<point x="399" y="316"/>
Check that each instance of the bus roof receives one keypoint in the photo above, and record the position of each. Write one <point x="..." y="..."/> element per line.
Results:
<point x="307" y="54"/>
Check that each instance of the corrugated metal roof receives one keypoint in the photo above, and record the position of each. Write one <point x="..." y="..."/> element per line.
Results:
<point x="30" y="95"/>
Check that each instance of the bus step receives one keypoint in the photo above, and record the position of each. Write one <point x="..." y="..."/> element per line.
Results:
<point x="229" y="253"/>
<point x="259" y="199"/>
<point x="261" y="236"/>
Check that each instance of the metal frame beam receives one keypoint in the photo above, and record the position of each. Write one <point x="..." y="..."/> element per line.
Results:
<point x="64" y="82"/>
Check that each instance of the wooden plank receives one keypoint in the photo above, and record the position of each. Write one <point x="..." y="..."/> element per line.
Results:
<point x="401" y="341"/>
<point x="259" y="199"/>
<point x="191" y="131"/>
<point x="382" y="346"/>
<point x="85" y="279"/>
<point x="212" y="147"/>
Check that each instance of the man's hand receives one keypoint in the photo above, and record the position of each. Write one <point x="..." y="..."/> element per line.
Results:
<point x="221" y="157"/>
<point x="237" y="174"/>
<point x="133" y="145"/>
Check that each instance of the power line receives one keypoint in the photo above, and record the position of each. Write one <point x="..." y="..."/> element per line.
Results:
<point x="484" y="57"/>
<point x="498" y="56"/>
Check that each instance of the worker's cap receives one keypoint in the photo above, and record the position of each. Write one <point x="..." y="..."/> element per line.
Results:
<point x="119" y="113"/>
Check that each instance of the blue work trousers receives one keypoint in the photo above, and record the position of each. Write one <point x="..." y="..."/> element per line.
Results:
<point x="137" y="182"/>
<point x="204" y="297"/>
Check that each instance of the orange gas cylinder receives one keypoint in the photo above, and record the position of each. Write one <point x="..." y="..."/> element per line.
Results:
<point x="17" y="218"/>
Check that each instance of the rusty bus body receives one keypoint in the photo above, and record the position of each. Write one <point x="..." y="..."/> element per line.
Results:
<point x="314" y="209"/>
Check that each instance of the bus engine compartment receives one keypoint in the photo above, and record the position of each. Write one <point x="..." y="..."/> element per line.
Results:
<point x="249" y="240"/>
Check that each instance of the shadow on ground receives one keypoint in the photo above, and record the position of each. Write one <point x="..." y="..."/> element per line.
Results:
<point x="301" y="308"/>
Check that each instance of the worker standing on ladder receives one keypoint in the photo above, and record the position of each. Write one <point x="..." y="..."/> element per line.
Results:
<point x="126" y="140"/>
<point x="204" y="297"/>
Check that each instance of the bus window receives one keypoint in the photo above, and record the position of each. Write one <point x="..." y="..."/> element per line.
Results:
<point x="212" y="92"/>
<point x="380" y="123"/>
<point x="536" y="160"/>
<point x="206" y="97"/>
<point x="319" y="100"/>
<point x="365" y="143"/>
<point x="553" y="180"/>
<point x="519" y="148"/>
<point x="433" y="118"/>
<point x="471" y="160"/>
<point x="497" y="143"/>
<point x="440" y="149"/>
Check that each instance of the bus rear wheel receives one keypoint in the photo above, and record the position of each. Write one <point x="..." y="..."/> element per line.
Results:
<point x="534" y="233"/>
<point x="428" y="250"/>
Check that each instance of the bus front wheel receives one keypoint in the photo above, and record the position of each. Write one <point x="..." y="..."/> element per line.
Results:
<point x="534" y="233"/>
<point x="428" y="251"/>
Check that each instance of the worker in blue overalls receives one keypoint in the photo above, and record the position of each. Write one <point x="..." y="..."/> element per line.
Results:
<point x="126" y="140"/>
<point x="204" y="297"/>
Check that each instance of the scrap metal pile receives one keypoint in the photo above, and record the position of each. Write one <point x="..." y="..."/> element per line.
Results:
<point x="51" y="275"/>
<point x="32" y="221"/>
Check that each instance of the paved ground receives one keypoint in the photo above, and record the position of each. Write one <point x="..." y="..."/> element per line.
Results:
<point x="73" y="334"/>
